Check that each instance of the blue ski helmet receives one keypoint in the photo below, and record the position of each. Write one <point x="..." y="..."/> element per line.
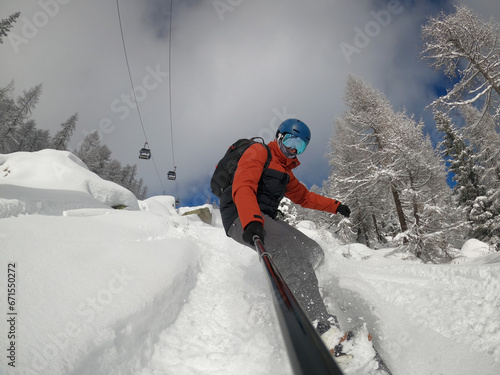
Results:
<point x="295" y="127"/>
<point x="294" y="135"/>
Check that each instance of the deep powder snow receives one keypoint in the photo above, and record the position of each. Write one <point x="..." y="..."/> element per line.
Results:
<point x="147" y="291"/>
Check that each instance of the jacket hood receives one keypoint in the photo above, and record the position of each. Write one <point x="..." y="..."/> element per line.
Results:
<point x="288" y="163"/>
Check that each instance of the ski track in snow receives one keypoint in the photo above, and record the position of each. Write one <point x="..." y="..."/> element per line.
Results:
<point x="227" y="319"/>
<point x="425" y="319"/>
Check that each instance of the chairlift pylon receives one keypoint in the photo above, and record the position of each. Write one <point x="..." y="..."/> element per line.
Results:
<point x="145" y="152"/>
<point x="171" y="175"/>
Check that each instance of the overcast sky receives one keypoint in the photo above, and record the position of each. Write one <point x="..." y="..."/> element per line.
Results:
<point x="238" y="68"/>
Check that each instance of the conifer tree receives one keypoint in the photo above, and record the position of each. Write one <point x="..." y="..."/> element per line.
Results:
<point x="97" y="157"/>
<point x="462" y="160"/>
<point x="24" y="134"/>
<point x="94" y="154"/>
<point x="484" y="215"/>
<point x="6" y="25"/>
<point x="40" y="139"/>
<point x="482" y="133"/>
<point x="113" y="171"/>
<point x="62" y="137"/>
<point x="468" y="48"/>
<point x="18" y="132"/>
<point x="16" y="113"/>
<point x="386" y="169"/>
<point x="6" y="102"/>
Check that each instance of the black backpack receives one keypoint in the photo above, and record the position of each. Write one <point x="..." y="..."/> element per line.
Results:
<point x="224" y="170"/>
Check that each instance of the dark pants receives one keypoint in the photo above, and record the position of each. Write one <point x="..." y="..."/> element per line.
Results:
<point x="296" y="257"/>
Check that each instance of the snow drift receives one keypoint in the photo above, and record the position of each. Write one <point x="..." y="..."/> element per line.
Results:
<point x="49" y="182"/>
<point x="146" y="291"/>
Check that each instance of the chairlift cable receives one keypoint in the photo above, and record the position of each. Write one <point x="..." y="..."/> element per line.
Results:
<point x="133" y="91"/>
<point x="170" y="81"/>
<point x="170" y="93"/>
<point x="129" y="74"/>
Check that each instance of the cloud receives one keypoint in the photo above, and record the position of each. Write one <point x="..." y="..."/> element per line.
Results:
<point x="236" y="71"/>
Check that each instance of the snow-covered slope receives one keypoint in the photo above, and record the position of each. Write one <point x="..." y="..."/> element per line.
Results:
<point x="150" y="292"/>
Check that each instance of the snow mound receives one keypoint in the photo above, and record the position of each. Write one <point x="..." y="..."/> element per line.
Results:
<point x="473" y="248"/>
<point x="306" y="224"/>
<point x="476" y="252"/>
<point x="160" y="205"/>
<point x="48" y="182"/>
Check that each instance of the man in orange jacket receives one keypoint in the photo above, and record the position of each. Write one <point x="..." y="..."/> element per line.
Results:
<point x="250" y="207"/>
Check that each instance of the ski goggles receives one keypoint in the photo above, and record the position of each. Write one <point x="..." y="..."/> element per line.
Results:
<point x="292" y="141"/>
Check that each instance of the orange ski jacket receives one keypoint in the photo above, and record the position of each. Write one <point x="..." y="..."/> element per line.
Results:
<point x="254" y="191"/>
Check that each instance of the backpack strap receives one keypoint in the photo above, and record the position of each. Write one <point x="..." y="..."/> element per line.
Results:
<point x="269" y="155"/>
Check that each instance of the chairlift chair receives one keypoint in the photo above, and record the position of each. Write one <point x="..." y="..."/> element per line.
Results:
<point x="145" y="152"/>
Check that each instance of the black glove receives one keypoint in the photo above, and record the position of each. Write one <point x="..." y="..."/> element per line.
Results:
<point x="252" y="229"/>
<point x="343" y="210"/>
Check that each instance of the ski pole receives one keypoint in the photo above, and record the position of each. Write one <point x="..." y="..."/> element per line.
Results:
<point x="306" y="350"/>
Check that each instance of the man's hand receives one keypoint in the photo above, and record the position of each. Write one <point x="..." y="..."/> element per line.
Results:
<point x="252" y="229"/>
<point x="343" y="210"/>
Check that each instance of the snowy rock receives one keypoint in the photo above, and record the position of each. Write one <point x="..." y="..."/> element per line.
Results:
<point x="203" y="213"/>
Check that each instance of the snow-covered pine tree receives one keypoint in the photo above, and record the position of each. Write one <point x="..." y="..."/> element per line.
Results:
<point x="128" y="180"/>
<point x="482" y="133"/>
<point x="113" y="171"/>
<point x="467" y="49"/>
<point x="95" y="155"/>
<point x="485" y="218"/>
<point x="386" y="168"/>
<point x="484" y="138"/>
<point x="362" y="174"/>
<point x="128" y="175"/>
<point x="463" y="164"/>
<point x="287" y="211"/>
<point x="461" y="44"/>
<point x="434" y="222"/>
<point x="62" y="137"/>
<point x="349" y="180"/>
